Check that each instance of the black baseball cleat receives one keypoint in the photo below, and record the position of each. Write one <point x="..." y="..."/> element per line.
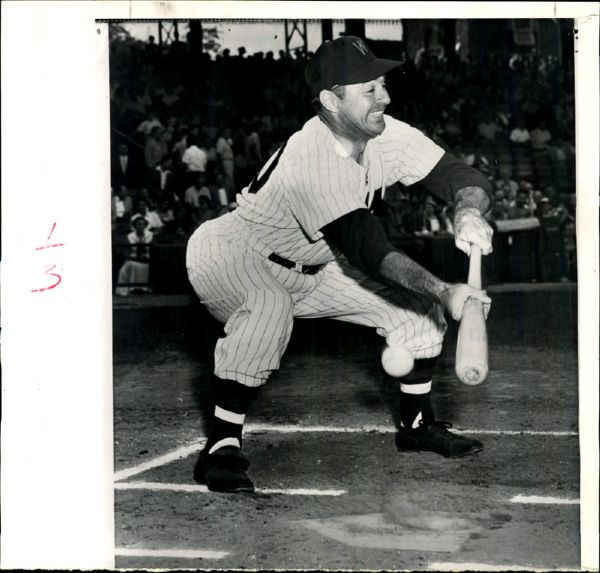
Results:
<point x="435" y="437"/>
<point x="224" y="471"/>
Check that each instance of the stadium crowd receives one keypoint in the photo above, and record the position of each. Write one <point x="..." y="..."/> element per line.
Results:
<point x="190" y="131"/>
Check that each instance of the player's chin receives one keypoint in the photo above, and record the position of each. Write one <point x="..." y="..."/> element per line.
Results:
<point x="376" y="125"/>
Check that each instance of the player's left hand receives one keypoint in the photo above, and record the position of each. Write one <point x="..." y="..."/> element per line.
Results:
<point x="471" y="228"/>
<point x="455" y="296"/>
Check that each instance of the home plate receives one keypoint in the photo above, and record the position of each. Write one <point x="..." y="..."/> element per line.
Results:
<point x="376" y="531"/>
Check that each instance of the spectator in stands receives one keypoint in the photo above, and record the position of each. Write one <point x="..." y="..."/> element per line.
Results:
<point x="136" y="269"/>
<point x="220" y="195"/>
<point x="267" y="126"/>
<point x="527" y="186"/>
<point x="180" y="143"/>
<point x="563" y="162"/>
<point x="162" y="182"/>
<point x="452" y="129"/>
<point x="468" y="154"/>
<point x="180" y="214"/>
<point x="397" y="213"/>
<point x="536" y="197"/>
<point x="124" y="169"/>
<point x="170" y="131"/>
<point x="150" y="123"/>
<point x="522" y="207"/>
<point x="502" y="196"/>
<point x="169" y="98"/>
<point x="224" y="149"/>
<point x="431" y="222"/>
<point x="240" y="164"/>
<point x="144" y="194"/>
<point x="540" y="137"/>
<point x="498" y="212"/>
<point x="154" y="221"/>
<point x="205" y="209"/>
<point x="459" y="153"/>
<point x="506" y="182"/>
<point x="196" y="190"/>
<point x="489" y="131"/>
<point x="154" y="150"/>
<point x="191" y="221"/>
<point x="195" y="157"/>
<point x="212" y="158"/>
<point x="519" y="135"/>
<point x="446" y="216"/>
<point x="541" y="151"/>
<point x="141" y="102"/>
<point x="544" y="208"/>
<point x="254" y="158"/>
<point x="166" y="212"/>
<point x="549" y="191"/>
<point x="481" y="161"/>
<point x="151" y="51"/>
<point x="121" y="207"/>
<point x="197" y="215"/>
<point x="122" y="103"/>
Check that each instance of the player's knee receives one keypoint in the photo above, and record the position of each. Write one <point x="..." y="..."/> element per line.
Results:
<point x="418" y="331"/>
<point x="277" y="304"/>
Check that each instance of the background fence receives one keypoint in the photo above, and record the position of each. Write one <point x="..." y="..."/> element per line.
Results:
<point x="524" y="251"/>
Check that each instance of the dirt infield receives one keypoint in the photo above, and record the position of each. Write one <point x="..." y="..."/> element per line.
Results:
<point x="333" y="492"/>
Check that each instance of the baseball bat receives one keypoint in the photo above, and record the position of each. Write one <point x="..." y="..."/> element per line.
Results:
<point x="472" y="344"/>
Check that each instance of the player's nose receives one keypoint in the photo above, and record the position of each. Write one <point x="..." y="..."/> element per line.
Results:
<point x="383" y="97"/>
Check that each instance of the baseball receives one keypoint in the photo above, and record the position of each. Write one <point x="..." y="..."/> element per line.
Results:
<point x="397" y="361"/>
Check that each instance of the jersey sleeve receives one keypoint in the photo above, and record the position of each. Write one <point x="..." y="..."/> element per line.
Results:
<point x="408" y="154"/>
<point x="321" y="188"/>
<point x="362" y="239"/>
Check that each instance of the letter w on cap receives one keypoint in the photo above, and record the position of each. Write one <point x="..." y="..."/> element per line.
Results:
<point x="360" y="46"/>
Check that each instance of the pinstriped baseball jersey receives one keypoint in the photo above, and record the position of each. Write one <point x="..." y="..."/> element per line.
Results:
<point x="314" y="182"/>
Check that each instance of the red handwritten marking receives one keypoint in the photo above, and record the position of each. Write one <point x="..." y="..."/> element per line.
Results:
<point x="51" y="231"/>
<point x="49" y="268"/>
<point x="48" y="272"/>
<point x="49" y="246"/>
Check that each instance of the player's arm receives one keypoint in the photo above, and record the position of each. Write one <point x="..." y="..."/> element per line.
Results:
<point x="362" y="239"/>
<point x="450" y="176"/>
<point x="471" y="193"/>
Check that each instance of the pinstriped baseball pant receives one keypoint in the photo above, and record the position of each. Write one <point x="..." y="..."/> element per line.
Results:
<point x="258" y="300"/>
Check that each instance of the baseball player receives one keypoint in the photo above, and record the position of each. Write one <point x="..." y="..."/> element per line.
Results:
<point x="304" y="243"/>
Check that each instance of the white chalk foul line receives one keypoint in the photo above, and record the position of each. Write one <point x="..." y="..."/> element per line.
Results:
<point x="186" y="451"/>
<point x="378" y="429"/>
<point x="538" y="499"/>
<point x="176" y="553"/>
<point x="179" y="453"/>
<point x="193" y="488"/>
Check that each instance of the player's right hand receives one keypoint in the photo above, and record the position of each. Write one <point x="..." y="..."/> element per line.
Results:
<point x="471" y="228"/>
<point x="454" y="298"/>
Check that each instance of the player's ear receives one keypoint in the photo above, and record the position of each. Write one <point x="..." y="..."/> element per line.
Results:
<point x="329" y="100"/>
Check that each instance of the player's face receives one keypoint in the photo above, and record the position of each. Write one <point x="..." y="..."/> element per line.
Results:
<point x="362" y="107"/>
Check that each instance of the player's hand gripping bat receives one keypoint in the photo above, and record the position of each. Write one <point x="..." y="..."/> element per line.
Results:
<point x="472" y="345"/>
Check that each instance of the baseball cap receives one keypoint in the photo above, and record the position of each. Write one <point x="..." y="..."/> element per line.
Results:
<point x="344" y="61"/>
<point x="137" y="217"/>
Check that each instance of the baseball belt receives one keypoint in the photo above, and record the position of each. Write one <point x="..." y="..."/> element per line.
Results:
<point x="304" y="269"/>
